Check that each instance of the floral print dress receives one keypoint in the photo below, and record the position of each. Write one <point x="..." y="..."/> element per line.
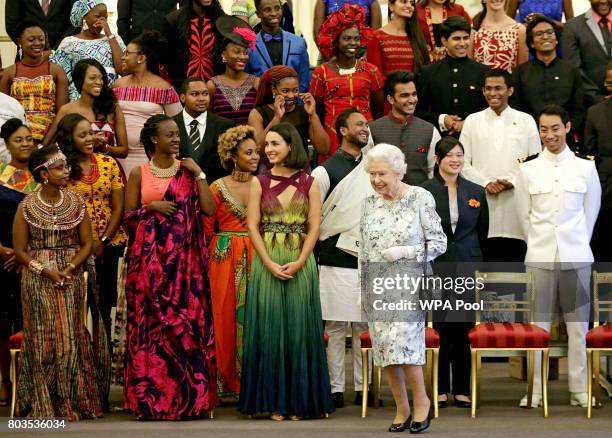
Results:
<point x="409" y="221"/>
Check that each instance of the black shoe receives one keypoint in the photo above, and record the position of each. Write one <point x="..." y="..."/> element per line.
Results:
<point x="462" y="403"/>
<point x="400" y="427"/>
<point x="422" y="426"/>
<point x="443" y="403"/>
<point x="359" y="397"/>
<point x="338" y="398"/>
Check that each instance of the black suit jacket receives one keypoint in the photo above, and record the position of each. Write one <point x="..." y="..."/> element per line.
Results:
<point x="134" y="16"/>
<point x="451" y="86"/>
<point x="56" y="23"/>
<point x="206" y="155"/>
<point x="466" y="242"/>
<point x="584" y="47"/>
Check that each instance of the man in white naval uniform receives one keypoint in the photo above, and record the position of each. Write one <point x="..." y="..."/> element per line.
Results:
<point x="558" y="199"/>
<point x="494" y="139"/>
<point x="344" y="185"/>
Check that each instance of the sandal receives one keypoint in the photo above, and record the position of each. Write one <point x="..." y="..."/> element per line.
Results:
<point x="277" y="417"/>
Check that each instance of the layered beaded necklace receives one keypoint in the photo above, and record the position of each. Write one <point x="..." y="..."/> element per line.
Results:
<point x="167" y="172"/>
<point x="64" y="214"/>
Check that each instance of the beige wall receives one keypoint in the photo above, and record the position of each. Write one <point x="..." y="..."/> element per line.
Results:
<point x="303" y="14"/>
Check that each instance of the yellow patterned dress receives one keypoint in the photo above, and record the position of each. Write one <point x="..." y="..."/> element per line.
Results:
<point x="34" y="88"/>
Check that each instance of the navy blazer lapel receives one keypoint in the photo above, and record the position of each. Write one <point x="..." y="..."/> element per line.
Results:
<point x="443" y="206"/>
<point x="184" y="150"/>
<point x="261" y="48"/>
<point x="286" y="47"/>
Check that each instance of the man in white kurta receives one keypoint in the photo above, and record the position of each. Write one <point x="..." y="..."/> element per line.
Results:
<point x="494" y="139"/>
<point x="558" y="199"/>
<point x="344" y="185"/>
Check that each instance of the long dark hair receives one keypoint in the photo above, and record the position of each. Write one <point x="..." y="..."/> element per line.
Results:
<point x="154" y="46"/>
<point x="106" y="102"/>
<point x="149" y="130"/>
<point x="443" y="147"/>
<point x="417" y="40"/>
<point x="65" y="141"/>
<point x="479" y="17"/>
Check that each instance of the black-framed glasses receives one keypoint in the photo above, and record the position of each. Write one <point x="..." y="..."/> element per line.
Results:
<point x="127" y="52"/>
<point x="541" y="33"/>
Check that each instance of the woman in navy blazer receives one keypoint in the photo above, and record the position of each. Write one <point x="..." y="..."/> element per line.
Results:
<point x="462" y="206"/>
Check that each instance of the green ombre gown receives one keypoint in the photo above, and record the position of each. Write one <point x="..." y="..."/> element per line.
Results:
<point x="285" y="366"/>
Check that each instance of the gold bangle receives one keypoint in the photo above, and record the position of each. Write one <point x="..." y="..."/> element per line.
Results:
<point x="36" y="267"/>
<point x="72" y="266"/>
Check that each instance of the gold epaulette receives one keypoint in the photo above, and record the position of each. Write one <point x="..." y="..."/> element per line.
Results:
<point x="529" y="158"/>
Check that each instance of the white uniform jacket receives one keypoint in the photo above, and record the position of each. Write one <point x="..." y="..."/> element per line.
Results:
<point x="558" y="199"/>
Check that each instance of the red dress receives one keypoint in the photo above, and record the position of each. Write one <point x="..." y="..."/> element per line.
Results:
<point x="340" y="92"/>
<point x="390" y="52"/>
<point x="497" y="48"/>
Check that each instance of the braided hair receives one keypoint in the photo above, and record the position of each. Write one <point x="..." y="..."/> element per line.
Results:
<point x="149" y="130"/>
<point x="272" y="76"/>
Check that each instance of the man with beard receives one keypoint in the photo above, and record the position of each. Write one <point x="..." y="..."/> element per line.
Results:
<point x="546" y="78"/>
<point x="344" y="185"/>
<point x="415" y="137"/>
<point x="494" y="139"/>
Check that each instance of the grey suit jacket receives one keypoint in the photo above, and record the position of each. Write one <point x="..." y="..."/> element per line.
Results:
<point x="584" y="47"/>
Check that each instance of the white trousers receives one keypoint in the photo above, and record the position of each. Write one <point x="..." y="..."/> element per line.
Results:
<point x="569" y="292"/>
<point x="336" y="349"/>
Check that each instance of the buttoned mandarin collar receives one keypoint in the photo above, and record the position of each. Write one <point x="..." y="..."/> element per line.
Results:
<point x="558" y="158"/>
<point x="490" y="113"/>
<point x="398" y="120"/>
<point x="537" y="61"/>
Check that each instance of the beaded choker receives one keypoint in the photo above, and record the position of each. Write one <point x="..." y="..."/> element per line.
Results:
<point x="240" y="176"/>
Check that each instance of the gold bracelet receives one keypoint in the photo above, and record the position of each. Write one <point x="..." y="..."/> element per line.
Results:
<point x="72" y="266"/>
<point x="36" y="267"/>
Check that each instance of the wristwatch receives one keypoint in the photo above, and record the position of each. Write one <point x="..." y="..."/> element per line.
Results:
<point x="105" y="240"/>
<point x="201" y="177"/>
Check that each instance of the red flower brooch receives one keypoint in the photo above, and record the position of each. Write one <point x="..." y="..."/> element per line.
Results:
<point x="474" y="203"/>
<point x="422" y="149"/>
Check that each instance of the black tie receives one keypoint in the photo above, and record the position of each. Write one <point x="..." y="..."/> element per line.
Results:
<point x="605" y="33"/>
<point x="194" y="135"/>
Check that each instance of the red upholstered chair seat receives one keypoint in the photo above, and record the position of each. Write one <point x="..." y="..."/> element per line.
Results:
<point x="432" y="339"/>
<point x="508" y="335"/>
<point x="15" y="341"/>
<point x="600" y="337"/>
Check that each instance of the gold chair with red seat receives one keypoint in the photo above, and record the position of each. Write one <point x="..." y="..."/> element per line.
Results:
<point x="432" y="347"/>
<point x="508" y="339"/>
<point x="598" y="339"/>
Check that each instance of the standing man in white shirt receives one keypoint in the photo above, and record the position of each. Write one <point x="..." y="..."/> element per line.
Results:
<point x="558" y="198"/>
<point x="494" y="139"/>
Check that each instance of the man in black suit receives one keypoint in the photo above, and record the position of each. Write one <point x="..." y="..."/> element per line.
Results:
<point x="199" y="129"/>
<point x="587" y="44"/>
<point x="450" y="90"/>
<point x="598" y="143"/>
<point x="55" y="22"/>
<point x="134" y="16"/>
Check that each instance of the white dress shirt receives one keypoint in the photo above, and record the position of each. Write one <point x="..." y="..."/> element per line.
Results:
<point x="201" y="123"/>
<point x="558" y="199"/>
<point x="493" y="145"/>
<point x="9" y="108"/>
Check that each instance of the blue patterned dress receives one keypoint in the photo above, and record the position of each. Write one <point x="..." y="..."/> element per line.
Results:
<point x="551" y="8"/>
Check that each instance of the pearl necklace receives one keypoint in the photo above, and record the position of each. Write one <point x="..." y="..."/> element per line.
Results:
<point x="167" y="172"/>
<point x="348" y="71"/>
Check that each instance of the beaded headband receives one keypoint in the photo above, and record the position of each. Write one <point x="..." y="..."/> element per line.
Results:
<point x="57" y="157"/>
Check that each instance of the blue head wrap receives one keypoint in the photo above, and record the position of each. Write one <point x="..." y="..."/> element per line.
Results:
<point x="80" y="8"/>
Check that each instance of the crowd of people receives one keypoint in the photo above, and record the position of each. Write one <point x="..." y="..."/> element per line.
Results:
<point x="224" y="193"/>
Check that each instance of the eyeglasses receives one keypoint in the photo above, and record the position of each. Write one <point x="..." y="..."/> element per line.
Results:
<point x="541" y="33"/>
<point x="61" y="167"/>
<point x="127" y="52"/>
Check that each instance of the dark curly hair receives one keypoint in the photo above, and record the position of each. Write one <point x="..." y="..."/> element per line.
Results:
<point x="106" y="102"/>
<point x="150" y="129"/>
<point x="65" y="141"/>
<point x="153" y="45"/>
